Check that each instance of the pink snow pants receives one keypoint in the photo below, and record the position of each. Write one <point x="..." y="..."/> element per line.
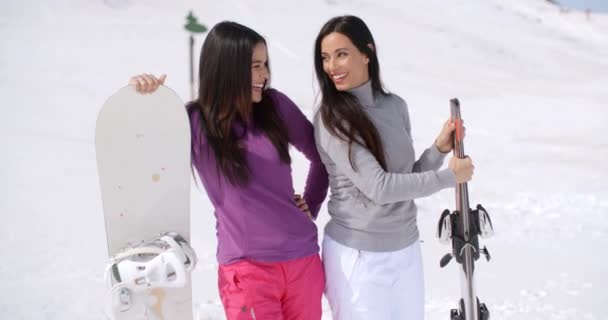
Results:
<point x="289" y="290"/>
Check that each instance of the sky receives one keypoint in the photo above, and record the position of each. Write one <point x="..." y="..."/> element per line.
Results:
<point x="595" y="5"/>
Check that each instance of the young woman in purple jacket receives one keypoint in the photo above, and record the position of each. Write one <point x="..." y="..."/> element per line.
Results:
<point x="269" y="265"/>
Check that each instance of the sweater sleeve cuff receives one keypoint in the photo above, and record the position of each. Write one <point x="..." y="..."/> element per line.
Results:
<point x="447" y="179"/>
<point x="435" y="154"/>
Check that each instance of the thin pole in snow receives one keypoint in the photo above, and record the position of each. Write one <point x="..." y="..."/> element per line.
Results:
<point x="193" y="26"/>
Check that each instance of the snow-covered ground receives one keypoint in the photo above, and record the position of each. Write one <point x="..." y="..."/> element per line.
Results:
<point x="533" y="83"/>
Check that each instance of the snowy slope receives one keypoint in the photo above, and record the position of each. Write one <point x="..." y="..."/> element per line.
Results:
<point x="532" y="82"/>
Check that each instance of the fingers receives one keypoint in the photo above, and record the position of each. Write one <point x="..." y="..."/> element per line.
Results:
<point x="151" y="83"/>
<point x="300" y="202"/>
<point x="450" y="125"/>
<point x="302" y="205"/>
<point x="146" y="83"/>
<point x="464" y="129"/>
<point x="133" y="81"/>
<point x="468" y="161"/>
<point x="463" y="169"/>
<point x="309" y="215"/>
<point x="469" y="168"/>
<point x="444" y="139"/>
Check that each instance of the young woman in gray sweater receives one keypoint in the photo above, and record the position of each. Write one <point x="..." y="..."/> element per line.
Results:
<point x="371" y="250"/>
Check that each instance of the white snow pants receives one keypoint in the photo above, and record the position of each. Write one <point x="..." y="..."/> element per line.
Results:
<point x="364" y="285"/>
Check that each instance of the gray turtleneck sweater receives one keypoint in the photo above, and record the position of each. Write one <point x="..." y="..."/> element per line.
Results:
<point x="372" y="209"/>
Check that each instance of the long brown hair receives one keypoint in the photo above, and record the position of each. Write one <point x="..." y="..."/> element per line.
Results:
<point x="341" y="112"/>
<point x="226" y="108"/>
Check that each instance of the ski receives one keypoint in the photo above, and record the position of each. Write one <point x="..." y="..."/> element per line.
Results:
<point x="463" y="227"/>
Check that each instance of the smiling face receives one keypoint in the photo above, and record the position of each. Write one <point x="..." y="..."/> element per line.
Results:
<point x="344" y="64"/>
<point x="259" y="71"/>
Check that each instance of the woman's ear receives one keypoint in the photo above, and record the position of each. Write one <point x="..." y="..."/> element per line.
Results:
<point x="371" y="47"/>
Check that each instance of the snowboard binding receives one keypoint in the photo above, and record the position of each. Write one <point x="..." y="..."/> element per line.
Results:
<point x="163" y="262"/>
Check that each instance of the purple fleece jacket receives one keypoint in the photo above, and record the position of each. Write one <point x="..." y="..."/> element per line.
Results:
<point x="261" y="221"/>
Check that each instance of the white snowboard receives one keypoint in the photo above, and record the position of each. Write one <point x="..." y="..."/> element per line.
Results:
<point x="142" y="144"/>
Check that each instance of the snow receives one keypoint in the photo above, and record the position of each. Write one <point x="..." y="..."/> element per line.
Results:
<point x="531" y="80"/>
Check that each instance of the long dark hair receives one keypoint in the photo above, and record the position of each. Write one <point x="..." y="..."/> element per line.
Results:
<point x="226" y="108"/>
<point x="341" y="112"/>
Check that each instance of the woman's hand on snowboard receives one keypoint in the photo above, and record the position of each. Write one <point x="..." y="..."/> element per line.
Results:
<point x="146" y="83"/>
